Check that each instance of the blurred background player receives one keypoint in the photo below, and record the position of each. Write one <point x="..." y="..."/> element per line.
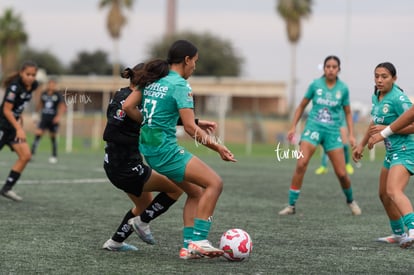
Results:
<point x="52" y="107"/>
<point x="19" y="89"/>
<point x="330" y="98"/>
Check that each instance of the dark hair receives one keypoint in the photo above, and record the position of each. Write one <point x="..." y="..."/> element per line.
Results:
<point x="390" y="68"/>
<point x="150" y="72"/>
<point x="15" y="75"/>
<point x="334" y="57"/>
<point x="131" y="74"/>
<point x="179" y="50"/>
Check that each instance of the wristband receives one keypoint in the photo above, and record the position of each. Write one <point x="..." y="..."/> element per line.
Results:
<point x="386" y="132"/>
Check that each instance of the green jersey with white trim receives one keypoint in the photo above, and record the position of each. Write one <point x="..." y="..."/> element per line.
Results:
<point x="161" y="102"/>
<point x="327" y="104"/>
<point x="388" y="109"/>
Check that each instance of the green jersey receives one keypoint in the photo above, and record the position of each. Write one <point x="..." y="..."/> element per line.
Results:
<point x="161" y="102"/>
<point x="327" y="104"/>
<point x="388" y="109"/>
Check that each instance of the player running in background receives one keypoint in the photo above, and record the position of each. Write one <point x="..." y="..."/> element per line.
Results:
<point x="19" y="89"/>
<point x="125" y="169"/>
<point x="166" y="96"/>
<point x="52" y="108"/>
<point x="388" y="103"/>
<point x="330" y="98"/>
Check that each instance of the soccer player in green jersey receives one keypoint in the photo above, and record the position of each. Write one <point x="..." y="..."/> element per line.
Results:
<point x="166" y="96"/>
<point x="330" y="98"/>
<point x="388" y="103"/>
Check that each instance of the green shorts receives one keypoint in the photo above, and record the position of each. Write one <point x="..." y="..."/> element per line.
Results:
<point x="171" y="163"/>
<point x="329" y="139"/>
<point x="403" y="158"/>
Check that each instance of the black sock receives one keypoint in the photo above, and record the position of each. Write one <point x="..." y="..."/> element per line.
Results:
<point x="54" y="146"/>
<point x="11" y="180"/>
<point x="124" y="229"/>
<point x="159" y="205"/>
<point x="35" y="144"/>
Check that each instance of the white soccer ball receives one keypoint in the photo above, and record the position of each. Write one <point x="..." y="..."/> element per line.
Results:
<point x="236" y="244"/>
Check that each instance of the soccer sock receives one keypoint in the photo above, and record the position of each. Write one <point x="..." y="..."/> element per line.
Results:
<point x="397" y="226"/>
<point x="293" y="196"/>
<point x="201" y="229"/>
<point x="35" y="144"/>
<point x="348" y="194"/>
<point x="124" y="229"/>
<point x="54" y="146"/>
<point x="159" y="205"/>
<point x="324" y="161"/>
<point x="409" y="220"/>
<point x="346" y="153"/>
<point x="187" y="235"/>
<point x="11" y="180"/>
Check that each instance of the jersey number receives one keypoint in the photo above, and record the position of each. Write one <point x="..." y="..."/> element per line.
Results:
<point x="148" y="104"/>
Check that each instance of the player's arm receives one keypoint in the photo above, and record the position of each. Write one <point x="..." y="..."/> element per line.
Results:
<point x="201" y="136"/>
<point x="60" y="111"/>
<point x="350" y="124"/>
<point x="359" y="149"/>
<point x="296" y="117"/>
<point x="130" y="106"/>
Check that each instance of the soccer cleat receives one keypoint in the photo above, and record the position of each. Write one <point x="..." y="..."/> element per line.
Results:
<point x="10" y="194"/>
<point x="288" y="210"/>
<point x="321" y="170"/>
<point x="53" y="160"/>
<point x="394" y="238"/>
<point x="203" y="248"/>
<point x="142" y="229"/>
<point x="356" y="211"/>
<point x="349" y="169"/>
<point x="112" y="245"/>
<point x="407" y="240"/>
<point x="186" y="255"/>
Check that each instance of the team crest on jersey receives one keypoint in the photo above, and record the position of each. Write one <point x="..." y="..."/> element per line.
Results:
<point x="319" y="92"/>
<point x="11" y="96"/>
<point x="338" y="94"/>
<point x="386" y="108"/>
<point x="120" y="114"/>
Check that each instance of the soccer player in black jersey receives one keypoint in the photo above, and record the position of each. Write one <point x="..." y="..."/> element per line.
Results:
<point x="52" y="108"/>
<point x="125" y="169"/>
<point x="19" y="89"/>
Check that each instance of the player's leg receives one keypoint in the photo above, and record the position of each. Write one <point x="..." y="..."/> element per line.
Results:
<point x="337" y="159"/>
<point x="394" y="216"/>
<point x="347" y="150"/>
<point x="323" y="168"/>
<point x="38" y="135"/>
<point x="307" y="150"/>
<point x="22" y="150"/>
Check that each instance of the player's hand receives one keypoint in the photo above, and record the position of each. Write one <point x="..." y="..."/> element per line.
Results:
<point x="226" y="154"/>
<point x="291" y="135"/>
<point x="357" y="153"/>
<point x="352" y="141"/>
<point x="374" y="140"/>
<point x="208" y="126"/>
<point x="20" y="136"/>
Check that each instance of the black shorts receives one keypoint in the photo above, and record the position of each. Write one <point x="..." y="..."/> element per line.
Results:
<point x="47" y="124"/>
<point x="7" y="137"/>
<point x="129" y="177"/>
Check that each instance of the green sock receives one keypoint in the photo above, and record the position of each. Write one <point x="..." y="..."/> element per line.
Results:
<point x="397" y="226"/>
<point x="293" y="196"/>
<point x="324" y="161"/>
<point x="187" y="236"/>
<point x="201" y="229"/>
<point x="409" y="220"/>
<point x="346" y="152"/>
<point x="348" y="194"/>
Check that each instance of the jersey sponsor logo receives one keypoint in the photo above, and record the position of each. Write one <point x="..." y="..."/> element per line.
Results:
<point x="327" y="102"/>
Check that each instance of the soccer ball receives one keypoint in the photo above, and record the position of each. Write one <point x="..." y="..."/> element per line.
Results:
<point x="236" y="244"/>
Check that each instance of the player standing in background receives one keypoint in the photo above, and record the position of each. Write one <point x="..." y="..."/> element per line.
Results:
<point x="19" y="89"/>
<point x="125" y="169"/>
<point x="330" y="98"/>
<point x="166" y="95"/>
<point x="52" y="108"/>
<point x="388" y="103"/>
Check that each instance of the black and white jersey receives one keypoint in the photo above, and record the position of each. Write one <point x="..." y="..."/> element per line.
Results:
<point x="50" y="103"/>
